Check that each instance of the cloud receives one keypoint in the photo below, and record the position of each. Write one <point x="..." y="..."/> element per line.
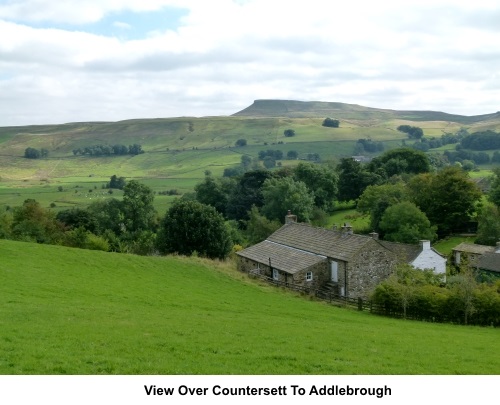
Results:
<point x="122" y="25"/>
<point x="438" y="54"/>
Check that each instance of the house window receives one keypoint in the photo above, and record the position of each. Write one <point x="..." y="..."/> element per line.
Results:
<point x="275" y="274"/>
<point x="309" y="276"/>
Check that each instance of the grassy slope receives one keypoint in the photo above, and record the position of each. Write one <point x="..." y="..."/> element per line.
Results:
<point x="67" y="311"/>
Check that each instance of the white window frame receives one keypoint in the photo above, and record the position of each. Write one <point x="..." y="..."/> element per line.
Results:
<point x="309" y="276"/>
<point x="334" y="271"/>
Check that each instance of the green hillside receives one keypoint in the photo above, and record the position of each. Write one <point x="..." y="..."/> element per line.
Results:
<point x="299" y="109"/>
<point x="179" y="150"/>
<point x="70" y="311"/>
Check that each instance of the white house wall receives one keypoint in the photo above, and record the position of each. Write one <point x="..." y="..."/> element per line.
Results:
<point x="428" y="259"/>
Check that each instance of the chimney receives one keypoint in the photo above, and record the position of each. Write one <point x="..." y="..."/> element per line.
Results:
<point x="290" y="218"/>
<point x="497" y="250"/>
<point x="425" y="244"/>
<point x="374" y="235"/>
<point x="334" y="227"/>
<point x="346" y="229"/>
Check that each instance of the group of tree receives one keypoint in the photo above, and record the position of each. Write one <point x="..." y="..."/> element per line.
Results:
<point x="273" y="193"/>
<point x="108" y="150"/>
<point x="422" y="295"/>
<point x="425" y="206"/>
<point x="116" y="182"/>
<point x="411" y="131"/>
<point x="289" y="132"/>
<point x="32" y="153"/>
<point x="482" y="140"/>
<point x="130" y="225"/>
<point x="368" y="146"/>
<point x="331" y="123"/>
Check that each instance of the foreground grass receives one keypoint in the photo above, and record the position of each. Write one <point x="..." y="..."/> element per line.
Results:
<point x="70" y="311"/>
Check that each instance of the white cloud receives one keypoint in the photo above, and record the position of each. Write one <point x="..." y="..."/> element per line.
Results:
<point x="439" y="54"/>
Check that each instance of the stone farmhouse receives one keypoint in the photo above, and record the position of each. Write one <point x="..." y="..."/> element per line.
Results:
<point x="350" y="265"/>
<point x="482" y="257"/>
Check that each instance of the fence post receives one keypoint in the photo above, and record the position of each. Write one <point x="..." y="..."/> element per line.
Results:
<point x="360" y="304"/>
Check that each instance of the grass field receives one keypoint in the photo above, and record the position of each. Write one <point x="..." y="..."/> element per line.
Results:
<point x="70" y="311"/>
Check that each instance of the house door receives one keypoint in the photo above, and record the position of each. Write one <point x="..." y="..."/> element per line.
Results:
<point x="334" y="272"/>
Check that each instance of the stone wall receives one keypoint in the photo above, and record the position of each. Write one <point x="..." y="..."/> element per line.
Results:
<point x="367" y="269"/>
<point x="320" y="273"/>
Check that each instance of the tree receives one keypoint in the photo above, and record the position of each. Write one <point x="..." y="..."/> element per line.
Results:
<point x="247" y="193"/>
<point x="246" y="161"/>
<point x="376" y="199"/>
<point x="494" y="194"/>
<point x="463" y="286"/>
<point x="353" y="179"/>
<point x="110" y="215"/>
<point x="116" y="182"/>
<point x="399" y="161"/>
<point x="258" y="227"/>
<point x="283" y="194"/>
<point x="78" y="218"/>
<point x="321" y="181"/>
<point x="33" y="223"/>
<point x="241" y="142"/>
<point x="190" y="226"/>
<point x="138" y="207"/>
<point x="215" y="192"/>
<point x="404" y="283"/>
<point x="331" y="123"/>
<point x="405" y="223"/>
<point x="32" y="153"/>
<point x="292" y="155"/>
<point x="448" y="198"/>
<point x="135" y="149"/>
<point x="289" y="132"/>
<point x="269" y="162"/>
<point x="413" y="132"/>
<point x="488" y="230"/>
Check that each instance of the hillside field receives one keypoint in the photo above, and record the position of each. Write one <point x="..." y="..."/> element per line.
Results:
<point x="71" y="311"/>
<point x="178" y="151"/>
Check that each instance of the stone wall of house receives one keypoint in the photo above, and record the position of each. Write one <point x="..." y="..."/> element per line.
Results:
<point x="367" y="269"/>
<point x="248" y="265"/>
<point x="320" y="276"/>
<point x="320" y="273"/>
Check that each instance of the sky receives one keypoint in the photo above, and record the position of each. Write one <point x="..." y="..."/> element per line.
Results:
<point x="110" y="60"/>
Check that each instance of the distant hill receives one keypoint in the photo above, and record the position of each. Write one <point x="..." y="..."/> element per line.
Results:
<point x="304" y="109"/>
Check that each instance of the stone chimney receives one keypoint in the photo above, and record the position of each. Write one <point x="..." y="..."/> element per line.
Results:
<point x="334" y="227"/>
<point x="346" y="229"/>
<point x="425" y="244"/>
<point x="497" y="250"/>
<point x="290" y="218"/>
<point x="374" y="235"/>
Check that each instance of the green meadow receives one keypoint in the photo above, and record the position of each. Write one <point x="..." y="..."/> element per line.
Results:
<point x="71" y="311"/>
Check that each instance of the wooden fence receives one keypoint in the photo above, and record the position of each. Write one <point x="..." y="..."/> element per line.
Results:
<point x="327" y="296"/>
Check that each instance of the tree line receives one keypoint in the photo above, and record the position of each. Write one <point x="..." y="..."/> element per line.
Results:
<point x="108" y="150"/>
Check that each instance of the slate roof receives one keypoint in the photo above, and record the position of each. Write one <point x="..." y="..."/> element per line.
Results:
<point x="472" y="248"/>
<point x="325" y="242"/>
<point x="282" y="257"/>
<point x="403" y="251"/>
<point x="490" y="261"/>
